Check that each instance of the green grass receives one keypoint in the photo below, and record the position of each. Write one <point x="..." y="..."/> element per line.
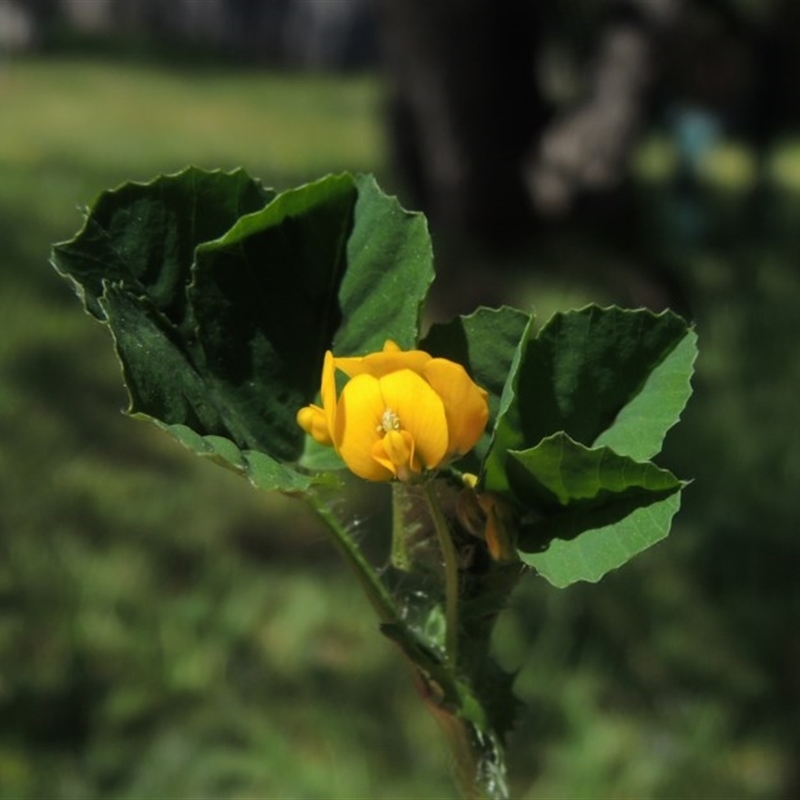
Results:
<point x="167" y="631"/>
<point x="123" y="121"/>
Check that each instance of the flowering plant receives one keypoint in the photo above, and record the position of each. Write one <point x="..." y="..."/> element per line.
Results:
<point x="278" y="334"/>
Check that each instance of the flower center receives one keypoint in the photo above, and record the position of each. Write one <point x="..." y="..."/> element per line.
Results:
<point x="395" y="447"/>
<point x="389" y="422"/>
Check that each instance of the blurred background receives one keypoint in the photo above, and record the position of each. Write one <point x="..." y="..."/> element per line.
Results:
<point x="167" y="631"/>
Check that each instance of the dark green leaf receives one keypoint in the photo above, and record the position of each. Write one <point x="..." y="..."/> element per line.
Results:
<point x="582" y="371"/>
<point x="143" y="236"/>
<point x="264" y="298"/>
<point x="507" y="423"/>
<point x="485" y="700"/>
<point x="158" y="367"/>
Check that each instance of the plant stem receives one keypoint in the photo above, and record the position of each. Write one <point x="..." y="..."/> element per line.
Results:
<point x="479" y="768"/>
<point x="479" y="762"/>
<point x="376" y="592"/>
<point x="450" y="574"/>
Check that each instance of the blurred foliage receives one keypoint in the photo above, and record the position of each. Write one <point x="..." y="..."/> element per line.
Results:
<point x="166" y="630"/>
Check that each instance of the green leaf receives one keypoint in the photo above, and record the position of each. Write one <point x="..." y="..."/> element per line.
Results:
<point x="160" y="375"/>
<point x="484" y="343"/>
<point x="601" y="375"/>
<point x="319" y="457"/>
<point x="606" y="546"/>
<point x="507" y="423"/>
<point x="589" y="503"/>
<point x="560" y="473"/>
<point x="143" y="236"/>
<point x="260" y="469"/>
<point x="485" y="594"/>
<point x="390" y="269"/>
<point x="640" y="427"/>
<point x="223" y="297"/>
<point x="265" y="305"/>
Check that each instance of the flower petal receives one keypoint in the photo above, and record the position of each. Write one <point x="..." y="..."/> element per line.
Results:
<point x="328" y="391"/>
<point x="399" y="446"/>
<point x="396" y="452"/>
<point x="358" y="427"/>
<point x="313" y="421"/>
<point x="420" y="411"/>
<point x="390" y="359"/>
<point x="465" y="403"/>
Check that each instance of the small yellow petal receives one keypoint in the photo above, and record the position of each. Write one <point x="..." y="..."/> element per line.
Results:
<point x="465" y="403"/>
<point x="313" y="421"/>
<point x="396" y="452"/>
<point x="358" y="427"/>
<point x="351" y="366"/>
<point x="328" y="391"/>
<point x="378" y="452"/>
<point x="399" y="446"/>
<point x="419" y="411"/>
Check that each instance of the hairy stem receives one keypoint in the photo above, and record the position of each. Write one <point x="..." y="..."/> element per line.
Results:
<point x="376" y="592"/>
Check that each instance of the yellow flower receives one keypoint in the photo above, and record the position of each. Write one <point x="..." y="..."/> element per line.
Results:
<point x="400" y="412"/>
